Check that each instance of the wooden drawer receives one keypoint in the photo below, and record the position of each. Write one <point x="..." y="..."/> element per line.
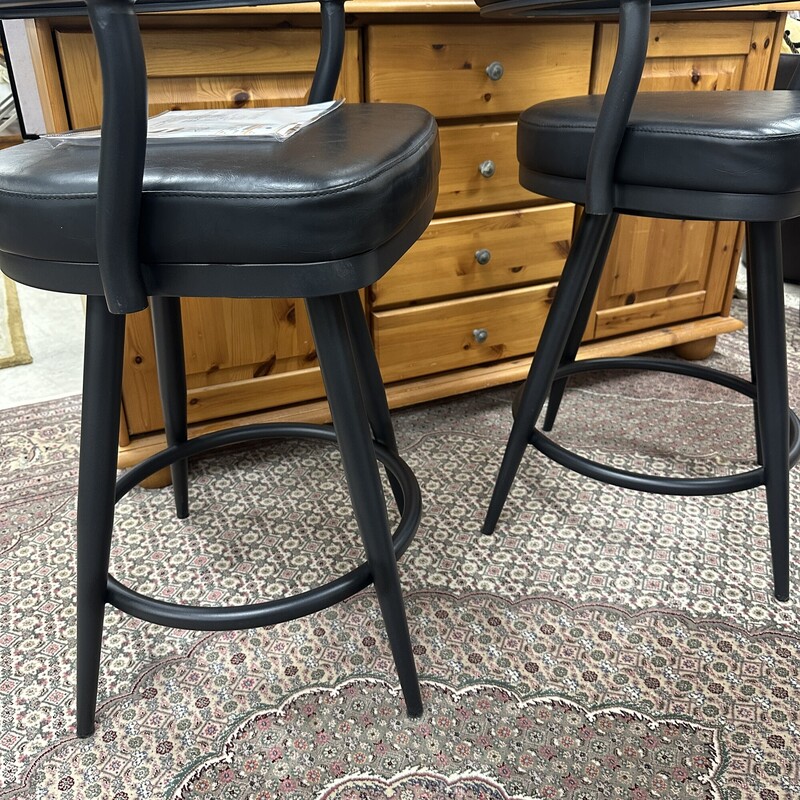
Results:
<point x="220" y="68"/>
<point x="443" y="67"/>
<point x="462" y="186"/>
<point x="525" y="246"/>
<point x="441" y="336"/>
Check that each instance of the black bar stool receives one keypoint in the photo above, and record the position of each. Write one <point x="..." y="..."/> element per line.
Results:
<point x="710" y="155"/>
<point x="318" y="216"/>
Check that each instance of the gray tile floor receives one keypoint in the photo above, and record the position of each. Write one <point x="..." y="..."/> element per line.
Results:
<point x="54" y="329"/>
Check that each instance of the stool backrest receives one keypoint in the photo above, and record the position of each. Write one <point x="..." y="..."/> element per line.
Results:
<point x="123" y="129"/>
<point x="788" y="76"/>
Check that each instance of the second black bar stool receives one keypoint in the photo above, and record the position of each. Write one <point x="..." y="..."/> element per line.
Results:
<point x="711" y="155"/>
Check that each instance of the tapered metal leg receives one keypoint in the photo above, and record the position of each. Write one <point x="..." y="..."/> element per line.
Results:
<point x="341" y="379"/>
<point x="371" y="382"/>
<point x="102" y="377"/>
<point x="751" y="346"/>
<point x="767" y="308"/>
<point x="579" y="326"/>
<point x="168" y="335"/>
<point x="560" y="320"/>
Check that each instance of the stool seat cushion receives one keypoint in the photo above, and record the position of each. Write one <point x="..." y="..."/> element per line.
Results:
<point x="733" y="142"/>
<point x="345" y="185"/>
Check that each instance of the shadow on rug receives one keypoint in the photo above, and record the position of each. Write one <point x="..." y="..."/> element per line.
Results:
<point x="601" y="644"/>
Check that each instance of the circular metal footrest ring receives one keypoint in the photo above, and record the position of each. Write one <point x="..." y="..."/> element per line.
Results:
<point x="723" y="484"/>
<point x="271" y="612"/>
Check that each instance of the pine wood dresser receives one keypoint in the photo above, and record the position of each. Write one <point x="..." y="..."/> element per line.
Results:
<point x="464" y="308"/>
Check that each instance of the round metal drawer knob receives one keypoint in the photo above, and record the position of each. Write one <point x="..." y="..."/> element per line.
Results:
<point x="480" y="335"/>
<point x="483" y="257"/>
<point x="486" y="168"/>
<point x="495" y="70"/>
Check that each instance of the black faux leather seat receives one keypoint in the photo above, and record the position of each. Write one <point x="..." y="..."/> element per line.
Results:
<point x="233" y="201"/>
<point x="729" y="142"/>
<point x="688" y="155"/>
<point x="134" y="223"/>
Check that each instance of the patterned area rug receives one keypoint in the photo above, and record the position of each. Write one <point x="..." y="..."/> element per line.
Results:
<point x="602" y="644"/>
<point x="13" y="347"/>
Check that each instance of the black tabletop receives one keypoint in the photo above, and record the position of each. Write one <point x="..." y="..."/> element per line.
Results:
<point x="550" y="8"/>
<point x="26" y="9"/>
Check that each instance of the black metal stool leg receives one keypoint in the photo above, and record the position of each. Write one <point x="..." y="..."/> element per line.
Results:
<point x="579" y="326"/>
<point x="571" y="288"/>
<point x="102" y="377"/>
<point x="766" y="286"/>
<point x="751" y="347"/>
<point x="168" y="335"/>
<point x="340" y="376"/>
<point x="371" y="382"/>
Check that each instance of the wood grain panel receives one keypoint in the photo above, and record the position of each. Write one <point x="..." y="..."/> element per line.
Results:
<point x="267" y="336"/>
<point x="761" y="61"/>
<point x="243" y="91"/>
<point x="139" y="377"/>
<point x="254" y="394"/>
<point x="229" y="52"/>
<point x="723" y="267"/>
<point x="214" y="68"/>
<point x="650" y="314"/>
<point x="698" y="74"/>
<point x="671" y="44"/>
<point x="664" y="255"/>
<point x="526" y="246"/>
<point x="440" y="336"/>
<point x="540" y="62"/>
<point x="669" y="38"/>
<point x="732" y="54"/>
<point x="226" y="342"/>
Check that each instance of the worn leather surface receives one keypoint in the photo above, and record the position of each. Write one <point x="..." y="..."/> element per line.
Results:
<point x="343" y="186"/>
<point x="736" y="142"/>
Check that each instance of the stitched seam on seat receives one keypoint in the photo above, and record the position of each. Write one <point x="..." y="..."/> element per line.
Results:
<point x="636" y="128"/>
<point x="49" y="196"/>
<point x="746" y="137"/>
<point x="557" y="125"/>
<point x="337" y="190"/>
<point x="260" y="196"/>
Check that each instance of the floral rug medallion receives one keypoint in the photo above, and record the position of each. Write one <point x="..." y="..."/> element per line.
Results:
<point x="540" y="747"/>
